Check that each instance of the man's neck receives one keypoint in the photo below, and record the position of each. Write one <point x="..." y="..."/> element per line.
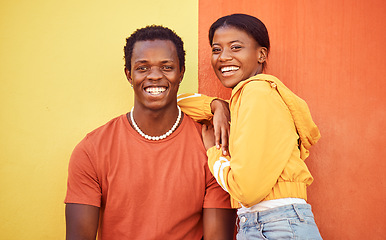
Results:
<point x="154" y="122"/>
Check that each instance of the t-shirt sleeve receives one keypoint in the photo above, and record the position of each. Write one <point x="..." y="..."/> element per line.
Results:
<point x="83" y="185"/>
<point x="215" y="196"/>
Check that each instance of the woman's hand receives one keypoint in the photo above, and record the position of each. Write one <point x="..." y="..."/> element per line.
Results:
<point x="221" y="120"/>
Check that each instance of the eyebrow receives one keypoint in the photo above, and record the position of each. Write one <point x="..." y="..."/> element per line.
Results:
<point x="140" y="61"/>
<point x="239" y="41"/>
<point x="167" y="61"/>
<point x="146" y="61"/>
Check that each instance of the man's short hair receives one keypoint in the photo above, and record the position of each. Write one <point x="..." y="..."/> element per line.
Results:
<point x="154" y="32"/>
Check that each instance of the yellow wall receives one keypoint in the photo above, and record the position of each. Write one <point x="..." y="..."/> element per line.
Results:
<point x="61" y="73"/>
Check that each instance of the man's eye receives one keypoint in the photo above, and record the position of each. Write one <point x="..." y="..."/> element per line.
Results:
<point x="142" y="68"/>
<point x="168" y="68"/>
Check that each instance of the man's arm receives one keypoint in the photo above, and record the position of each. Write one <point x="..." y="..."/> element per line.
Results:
<point x="219" y="224"/>
<point x="81" y="221"/>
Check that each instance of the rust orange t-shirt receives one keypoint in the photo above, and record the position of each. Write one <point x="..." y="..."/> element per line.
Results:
<point x="145" y="189"/>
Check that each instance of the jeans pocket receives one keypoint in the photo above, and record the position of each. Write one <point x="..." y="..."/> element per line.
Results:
<point x="305" y="229"/>
<point x="251" y="231"/>
<point x="280" y="229"/>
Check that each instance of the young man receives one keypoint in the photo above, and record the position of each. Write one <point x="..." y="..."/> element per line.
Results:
<point x="144" y="174"/>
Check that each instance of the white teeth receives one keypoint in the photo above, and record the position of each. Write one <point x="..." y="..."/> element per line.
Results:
<point x="230" y="68"/>
<point x="155" y="90"/>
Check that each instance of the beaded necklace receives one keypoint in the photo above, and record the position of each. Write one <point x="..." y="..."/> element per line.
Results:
<point x="156" y="138"/>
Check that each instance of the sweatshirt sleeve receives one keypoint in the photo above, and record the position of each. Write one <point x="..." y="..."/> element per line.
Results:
<point x="263" y="137"/>
<point x="196" y="106"/>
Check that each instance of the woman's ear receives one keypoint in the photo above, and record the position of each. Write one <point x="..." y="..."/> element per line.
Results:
<point x="262" y="54"/>
<point x="128" y="76"/>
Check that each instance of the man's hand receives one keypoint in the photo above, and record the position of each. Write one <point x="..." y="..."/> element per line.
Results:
<point x="221" y="121"/>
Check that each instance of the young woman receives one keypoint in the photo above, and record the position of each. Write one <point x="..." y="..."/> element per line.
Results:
<point x="270" y="134"/>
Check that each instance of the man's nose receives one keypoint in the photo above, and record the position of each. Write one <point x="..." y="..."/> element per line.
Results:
<point x="155" y="73"/>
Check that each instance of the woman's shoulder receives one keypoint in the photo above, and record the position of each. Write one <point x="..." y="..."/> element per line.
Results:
<point x="256" y="88"/>
<point x="259" y="82"/>
<point x="257" y="92"/>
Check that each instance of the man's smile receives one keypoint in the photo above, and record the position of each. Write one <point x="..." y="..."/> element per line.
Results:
<point x="155" y="90"/>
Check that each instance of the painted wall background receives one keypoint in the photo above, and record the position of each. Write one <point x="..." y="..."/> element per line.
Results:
<point x="332" y="54"/>
<point x="61" y="74"/>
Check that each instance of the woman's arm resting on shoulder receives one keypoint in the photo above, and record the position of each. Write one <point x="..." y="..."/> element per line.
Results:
<point x="221" y="121"/>
<point x="81" y="221"/>
<point x="196" y="106"/>
<point x="219" y="224"/>
<point x="200" y="108"/>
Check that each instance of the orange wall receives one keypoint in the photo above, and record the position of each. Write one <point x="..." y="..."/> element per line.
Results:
<point x="333" y="55"/>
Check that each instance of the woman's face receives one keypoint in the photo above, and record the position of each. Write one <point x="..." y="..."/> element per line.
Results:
<point x="236" y="56"/>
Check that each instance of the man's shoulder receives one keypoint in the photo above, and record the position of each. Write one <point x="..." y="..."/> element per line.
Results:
<point x="192" y="124"/>
<point x="108" y="128"/>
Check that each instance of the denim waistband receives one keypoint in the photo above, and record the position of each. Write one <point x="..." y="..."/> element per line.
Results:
<point x="300" y="211"/>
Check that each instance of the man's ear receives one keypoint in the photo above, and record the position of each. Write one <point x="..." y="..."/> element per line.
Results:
<point x="182" y="72"/>
<point x="128" y="76"/>
<point x="262" y="54"/>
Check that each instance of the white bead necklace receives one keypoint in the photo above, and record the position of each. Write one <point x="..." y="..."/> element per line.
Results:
<point x="156" y="138"/>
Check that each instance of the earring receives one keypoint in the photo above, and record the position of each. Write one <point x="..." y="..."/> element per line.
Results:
<point x="131" y="85"/>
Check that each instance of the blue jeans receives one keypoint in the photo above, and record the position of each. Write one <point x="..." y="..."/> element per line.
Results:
<point x="294" y="221"/>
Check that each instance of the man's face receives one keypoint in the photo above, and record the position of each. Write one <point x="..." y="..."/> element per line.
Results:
<point x="155" y="74"/>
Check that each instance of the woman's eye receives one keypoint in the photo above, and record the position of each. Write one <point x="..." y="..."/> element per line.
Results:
<point x="236" y="47"/>
<point x="216" y="50"/>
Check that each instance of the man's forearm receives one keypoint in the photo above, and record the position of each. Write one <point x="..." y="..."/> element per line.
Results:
<point x="81" y="221"/>
<point x="219" y="224"/>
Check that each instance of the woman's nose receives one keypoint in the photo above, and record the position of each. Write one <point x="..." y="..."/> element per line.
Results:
<point x="225" y="55"/>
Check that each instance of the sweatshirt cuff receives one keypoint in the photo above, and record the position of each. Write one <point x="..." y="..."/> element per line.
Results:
<point x="207" y="107"/>
<point x="213" y="155"/>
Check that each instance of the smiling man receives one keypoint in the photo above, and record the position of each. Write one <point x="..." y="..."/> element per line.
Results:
<point x="144" y="174"/>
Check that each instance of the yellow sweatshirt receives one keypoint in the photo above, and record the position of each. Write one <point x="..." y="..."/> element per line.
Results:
<point x="267" y="155"/>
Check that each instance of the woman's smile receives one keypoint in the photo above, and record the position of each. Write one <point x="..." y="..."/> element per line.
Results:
<point x="236" y="56"/>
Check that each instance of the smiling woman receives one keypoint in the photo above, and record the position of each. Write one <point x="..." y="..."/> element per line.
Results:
<point x="270" y="134"/>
